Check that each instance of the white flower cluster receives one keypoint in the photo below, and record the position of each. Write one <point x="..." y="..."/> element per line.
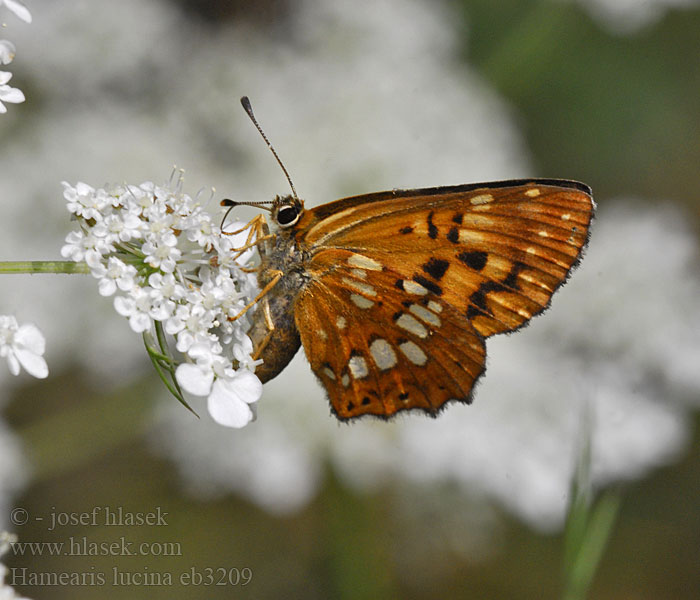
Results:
<point x="23" y="346"/>
<point x="7" y="592"/>
<point x="7" y="55"/>
<point x="171" y="265"/>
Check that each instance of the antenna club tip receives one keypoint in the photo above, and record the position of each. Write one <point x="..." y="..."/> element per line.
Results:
<point x="245" y="101"/>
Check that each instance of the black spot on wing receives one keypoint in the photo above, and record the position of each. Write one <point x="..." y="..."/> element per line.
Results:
<point x="432" y="229"/>
<point x="474" y="260"/>
<point x="436" y="268"/>
<point x="453" y="235"/>
<point x="477" y="301"/>
<point x="405" y="230"/>
<point x="511" y="280"/>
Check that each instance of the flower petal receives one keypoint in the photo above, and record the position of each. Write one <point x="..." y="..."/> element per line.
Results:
<point x="194" y="380"/>
<point x="248" y="386"/>
<point x="226" y="408"/>
<point x="13" y="363"/>
<point x="31" y="338"/>
<point x="19" y="9"/>
<point x="33" y="364"/>
<point x="10" y="94"/>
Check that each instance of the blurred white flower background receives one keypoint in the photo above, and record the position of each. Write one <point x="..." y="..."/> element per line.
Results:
<point x="356" y="97"/>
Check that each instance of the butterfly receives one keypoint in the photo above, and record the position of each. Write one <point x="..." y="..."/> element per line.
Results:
<point x="393" y="294"/>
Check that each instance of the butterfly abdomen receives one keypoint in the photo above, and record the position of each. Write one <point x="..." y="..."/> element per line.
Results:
<point x="274" y="333"/>
<point x="278" y="349"/>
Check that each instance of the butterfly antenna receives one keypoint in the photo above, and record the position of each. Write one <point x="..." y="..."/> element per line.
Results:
<point x="249" y="109"/>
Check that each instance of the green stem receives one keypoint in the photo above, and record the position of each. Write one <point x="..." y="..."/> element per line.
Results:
<point x="42" y="266"/>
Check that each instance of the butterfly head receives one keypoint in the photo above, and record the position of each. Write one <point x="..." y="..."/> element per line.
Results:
<point x="287" y="210"/>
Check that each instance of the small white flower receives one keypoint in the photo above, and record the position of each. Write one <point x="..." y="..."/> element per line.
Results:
<point x="165" y="292"/>
<point x="136" y="308"/>
<point x="119" y="228"/>
<point x="85" y="201"/>
<point x="117" y="274"/>
<point x="196" y="322"/>
<point x="162" y="251"/>
<point x="8" y="93"/>
<point x="23" y="346"/>
<point x="81" y="246"/>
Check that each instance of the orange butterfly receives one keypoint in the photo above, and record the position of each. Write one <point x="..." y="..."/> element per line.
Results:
<point x="392" y="294"/>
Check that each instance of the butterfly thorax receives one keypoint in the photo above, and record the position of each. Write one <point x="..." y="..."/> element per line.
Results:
<point x="281" y="254"/>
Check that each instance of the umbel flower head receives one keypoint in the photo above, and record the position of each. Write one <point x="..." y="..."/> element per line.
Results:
<point x="174" y="272"/>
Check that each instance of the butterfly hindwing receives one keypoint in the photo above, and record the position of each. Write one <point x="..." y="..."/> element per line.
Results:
<point x="379" y="349"/>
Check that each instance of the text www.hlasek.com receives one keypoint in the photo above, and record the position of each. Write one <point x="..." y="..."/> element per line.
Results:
<point x="81" y="546"/>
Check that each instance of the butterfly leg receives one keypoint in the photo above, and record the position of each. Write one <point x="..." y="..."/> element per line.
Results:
<point x="257" y="234"/>
<point x="265" y="307"/>
<point x="276" y="276"/>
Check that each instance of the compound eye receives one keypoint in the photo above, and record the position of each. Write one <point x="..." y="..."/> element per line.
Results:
<point x="287" y="215"/>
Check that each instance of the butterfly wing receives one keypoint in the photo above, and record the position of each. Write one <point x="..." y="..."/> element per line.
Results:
<point x="378" y="349"/>
<point x="421" y="277"/>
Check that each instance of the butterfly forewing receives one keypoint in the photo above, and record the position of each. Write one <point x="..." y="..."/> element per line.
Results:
<point x="496" y="253"/>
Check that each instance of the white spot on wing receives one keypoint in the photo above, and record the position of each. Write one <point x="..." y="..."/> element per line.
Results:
<point x="412" y="325"/>
<point x="364" y="262"/>
<point x="361" y="301"/>
<point x="413" y="353"/>
<point x="358" y="367"/>
<point x="435" y="306"/>
<point x="322" y="334"/>
<point x="383" y="354"/>
<point x="341" y="323"/>
<point x="330" y="374"/>
<point x="533" y="193"/>
<point x="345" y="380"/>
<point x="412" y="287"/>
<point x="481" y="199"/>
<point x="425" y="315"/>
<point x="359" y="273"/>
<point x="365" y="288"/>
<point x="543" y="234"/>
<point x="565" y="217"/>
